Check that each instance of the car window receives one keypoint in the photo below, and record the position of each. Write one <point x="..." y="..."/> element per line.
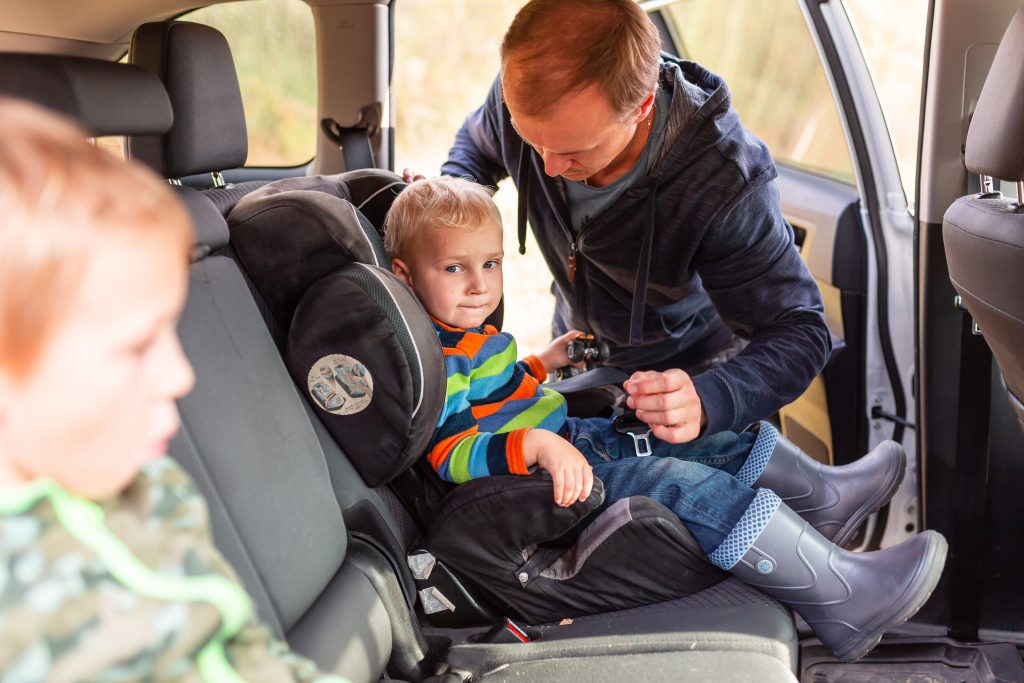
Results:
<point x="892" y="36"/>
<point x="446" y="57"/>
<point x="274" y="48"/>
<point x="764" y="51"/>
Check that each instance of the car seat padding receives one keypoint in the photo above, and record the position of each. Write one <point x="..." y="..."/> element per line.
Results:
<point x="374" y="375"/>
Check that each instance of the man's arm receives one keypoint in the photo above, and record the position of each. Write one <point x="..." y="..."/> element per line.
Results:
<point x="762" y="289"/>
<point x="476" y="153"/>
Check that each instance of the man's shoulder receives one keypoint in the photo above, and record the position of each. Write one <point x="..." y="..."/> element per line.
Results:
<point x="701" y="117"/>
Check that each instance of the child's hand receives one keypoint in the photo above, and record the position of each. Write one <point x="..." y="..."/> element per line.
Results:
<point x="555" y="355"/>
<point x="573" y="477"/>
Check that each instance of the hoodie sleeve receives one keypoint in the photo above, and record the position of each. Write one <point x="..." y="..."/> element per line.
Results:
<point x="476" y="153"/>
<point x="459" y="451"/>
<point x="763" y="290"/>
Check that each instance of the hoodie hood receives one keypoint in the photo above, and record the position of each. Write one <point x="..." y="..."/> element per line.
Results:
<point x="700" y="116"/>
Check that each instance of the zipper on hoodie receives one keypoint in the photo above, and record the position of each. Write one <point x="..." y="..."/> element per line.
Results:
<point x="573" y="262"/>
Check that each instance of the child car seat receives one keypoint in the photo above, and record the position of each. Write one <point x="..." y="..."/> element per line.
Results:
<point x="317" y="264"/>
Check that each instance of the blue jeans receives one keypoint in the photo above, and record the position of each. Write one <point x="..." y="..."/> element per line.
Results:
<point x="695" y="479"/>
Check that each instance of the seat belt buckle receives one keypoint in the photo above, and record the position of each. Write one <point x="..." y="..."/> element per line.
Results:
<point x="641" y="443"/>
<point x="507" y="631"/>
<point x="638" y="430"/>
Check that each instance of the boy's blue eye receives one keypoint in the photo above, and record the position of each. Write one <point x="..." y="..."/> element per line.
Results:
<point x="492" y="264"/>
<point x="453" y="269"/>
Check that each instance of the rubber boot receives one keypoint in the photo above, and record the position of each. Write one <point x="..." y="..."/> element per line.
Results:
<point x="835" y="500"/>
<point x="849" y="599"/>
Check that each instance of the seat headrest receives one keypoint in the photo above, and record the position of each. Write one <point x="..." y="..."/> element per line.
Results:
<point x="366" y="352"/>
<point x="373" y="191"/>
<point x="290" y="233"/>
<point x="995" y="140"/>
<point x="105" y="98"/>
<point x="194" y="62"/>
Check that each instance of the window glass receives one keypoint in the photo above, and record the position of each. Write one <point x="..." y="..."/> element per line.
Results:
<point x="764" y="51"/>
<point x="274" y="48"/>
<point x="446" y="57"/>
<point x="892" y="36"/>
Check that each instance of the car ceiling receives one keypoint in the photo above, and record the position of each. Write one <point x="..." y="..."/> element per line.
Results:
<point x="98" y="28"/>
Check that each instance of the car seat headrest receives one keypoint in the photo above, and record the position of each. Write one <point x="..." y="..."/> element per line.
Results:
<point x="194" y="62"/>
<point x="365" y="352"/>
<point x="995" y="140"/>
<point x="290" y="233"/>
<point x="372" y="191"/>
<point x="104" y="98"/>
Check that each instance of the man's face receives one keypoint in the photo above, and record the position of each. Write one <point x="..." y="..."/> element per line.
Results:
<point x="578" y="137"/>
<point x="455" y="273"/>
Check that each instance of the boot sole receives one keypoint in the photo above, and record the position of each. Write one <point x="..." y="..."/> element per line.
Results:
<point x="870" y="507"/>
<point x="917" y="593"/>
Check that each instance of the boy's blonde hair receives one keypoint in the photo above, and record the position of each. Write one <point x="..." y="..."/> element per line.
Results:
<point x="59" y="197"/>
<point x="443" y="202"/>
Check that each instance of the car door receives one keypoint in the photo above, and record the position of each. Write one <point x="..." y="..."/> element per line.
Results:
<point x="800" y="83"/>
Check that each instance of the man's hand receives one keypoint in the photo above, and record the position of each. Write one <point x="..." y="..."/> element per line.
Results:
<point x="409" y="175"/>
<point x="668" y="403"/>
<point x="573" y="477"/>
<point x="555" y="356"/>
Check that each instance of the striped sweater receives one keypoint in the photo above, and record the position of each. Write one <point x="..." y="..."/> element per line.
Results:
<point x="491" y="402"/>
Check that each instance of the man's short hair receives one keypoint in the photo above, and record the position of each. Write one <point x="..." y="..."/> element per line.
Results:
<point x="561" y="46"/>
<point x="61" y="197"/>
<point x="444" y="202"/>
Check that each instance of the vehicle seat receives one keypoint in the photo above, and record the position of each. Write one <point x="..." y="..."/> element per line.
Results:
<point x="194" y="63"/>
<point x="984" y="233"/>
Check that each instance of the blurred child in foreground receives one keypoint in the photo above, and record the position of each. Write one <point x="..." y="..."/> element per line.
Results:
<point x="107" y="568"/>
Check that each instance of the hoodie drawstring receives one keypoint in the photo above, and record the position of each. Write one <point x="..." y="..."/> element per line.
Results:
<point x="636" y="314"/>
<point x="523" y="183"/>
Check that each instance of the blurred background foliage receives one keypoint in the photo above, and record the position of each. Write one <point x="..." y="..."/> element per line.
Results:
<point x="446" y="57"/>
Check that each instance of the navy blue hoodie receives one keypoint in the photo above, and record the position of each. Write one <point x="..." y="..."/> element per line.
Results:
<point x="698" y="241"/>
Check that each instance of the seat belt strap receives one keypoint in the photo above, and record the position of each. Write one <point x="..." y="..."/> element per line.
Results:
<point x="354" y="141"/>
<point x="972" y="471"/>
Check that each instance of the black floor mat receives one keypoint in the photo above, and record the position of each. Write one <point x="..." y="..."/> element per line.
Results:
<point x="904" y="659"/>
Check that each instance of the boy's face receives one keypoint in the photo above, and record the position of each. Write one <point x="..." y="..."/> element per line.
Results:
<point x="100" y="401"/>
<point x="455" y="273"/>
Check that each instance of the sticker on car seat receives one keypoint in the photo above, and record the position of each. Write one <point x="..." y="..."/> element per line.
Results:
<point x="340" y="384"/>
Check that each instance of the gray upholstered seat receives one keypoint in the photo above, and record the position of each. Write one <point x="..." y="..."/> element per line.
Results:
<point x="984" y="233"/>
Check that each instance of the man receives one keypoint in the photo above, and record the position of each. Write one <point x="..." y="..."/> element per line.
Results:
<point x="656" y="213"/>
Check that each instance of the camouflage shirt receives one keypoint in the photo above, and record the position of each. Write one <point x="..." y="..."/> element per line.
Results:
<point x="131" y="589"/>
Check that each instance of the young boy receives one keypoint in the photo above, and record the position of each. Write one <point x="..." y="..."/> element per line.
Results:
<point x="445" y="239"/>
<point x="107" y="570"/>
